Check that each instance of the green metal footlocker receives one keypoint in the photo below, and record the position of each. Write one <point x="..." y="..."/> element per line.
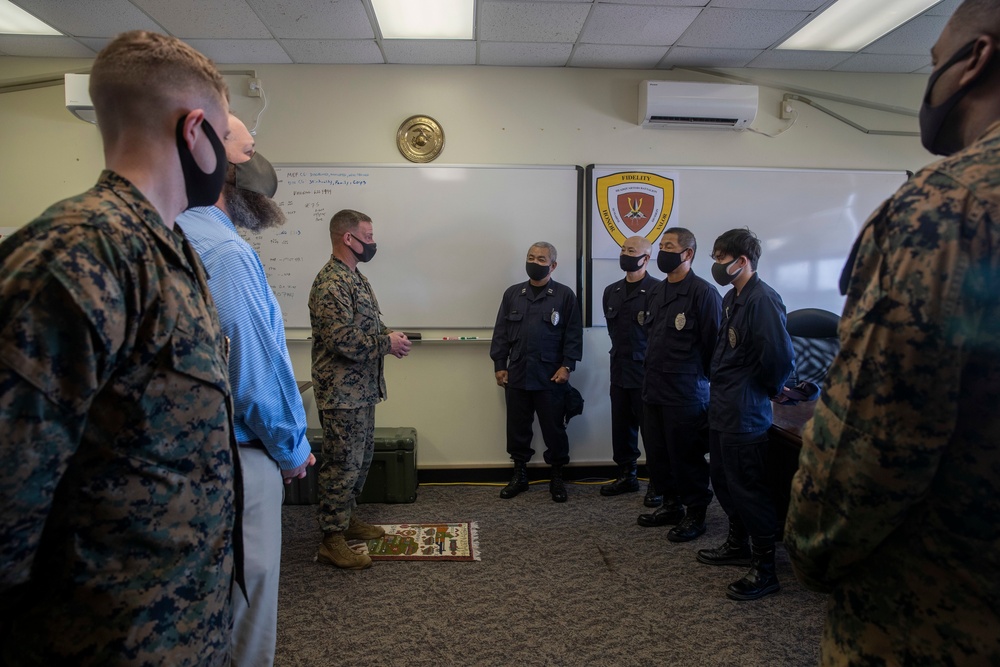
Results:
<point x="392" y="477"/>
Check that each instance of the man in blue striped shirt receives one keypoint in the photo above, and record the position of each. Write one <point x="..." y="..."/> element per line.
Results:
<point x="270" y="423"/>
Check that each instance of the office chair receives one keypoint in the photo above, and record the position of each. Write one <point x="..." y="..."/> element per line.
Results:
<point x="815" y="342"/>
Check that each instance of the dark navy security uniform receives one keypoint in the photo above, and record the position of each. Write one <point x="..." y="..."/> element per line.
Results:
<point x="682" y="325"/>
<point x="624" y="310"/>
<point x="535" y="335"/>
<point x="752" y="360"/>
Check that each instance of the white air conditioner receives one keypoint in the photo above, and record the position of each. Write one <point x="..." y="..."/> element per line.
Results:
<point x="78" y="97"/>
<point x="673" y="104"/>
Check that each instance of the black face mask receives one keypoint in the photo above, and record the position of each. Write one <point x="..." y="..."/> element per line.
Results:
<point x="536" y="271"/>
<point x="629" y="263"/>
<point x="367" y="250"/>
<point x="203" y="188"/>
<point x="932" y="118"/>
<point x="668" y="261"/>
<point x="721" y="274"/>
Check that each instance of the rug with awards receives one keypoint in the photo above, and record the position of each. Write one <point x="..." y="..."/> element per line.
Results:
<point x="424" y="541"/>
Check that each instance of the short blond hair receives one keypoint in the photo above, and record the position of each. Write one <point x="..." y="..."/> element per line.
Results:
<point x="140" y="76"/>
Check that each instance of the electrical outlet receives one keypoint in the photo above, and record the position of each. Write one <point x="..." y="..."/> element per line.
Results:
<point x="787" y="110"/>
<point x="253" y="88"/>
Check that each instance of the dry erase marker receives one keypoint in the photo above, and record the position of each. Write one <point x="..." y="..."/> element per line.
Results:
<point x="468" y="338"/>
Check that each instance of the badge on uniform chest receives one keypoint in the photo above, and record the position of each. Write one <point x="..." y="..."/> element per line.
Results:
<point x="680" y="321"/>
<point x="733" y="338"/>
<point x="554" y="317"/>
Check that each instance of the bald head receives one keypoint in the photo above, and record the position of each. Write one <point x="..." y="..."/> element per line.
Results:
<point x="637" y="246"/>
<point x="240" y="144"/>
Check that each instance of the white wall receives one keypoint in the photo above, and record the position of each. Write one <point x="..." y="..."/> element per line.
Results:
<point x="490" y="115"/>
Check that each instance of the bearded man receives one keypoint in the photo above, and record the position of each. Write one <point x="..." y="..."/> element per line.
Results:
<point x="269" y="420"/>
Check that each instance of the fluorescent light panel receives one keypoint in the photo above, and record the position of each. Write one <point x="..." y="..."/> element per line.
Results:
<point x="425" y="19"/>
<point x="16" y="21"/>
<point x="851" y="25"/>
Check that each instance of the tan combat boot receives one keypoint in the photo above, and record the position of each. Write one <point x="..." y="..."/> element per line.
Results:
<point x="359" y="530"/>
<point x="334" y="550"/>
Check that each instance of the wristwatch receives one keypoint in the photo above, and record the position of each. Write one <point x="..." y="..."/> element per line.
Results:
<point x="568" y="369"/>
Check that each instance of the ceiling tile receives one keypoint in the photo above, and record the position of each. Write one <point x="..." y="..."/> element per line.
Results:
<point x="94" y="18"/>
<point x="531" y="33"/>
<point x="430" y="52"/>
<point x="664" y="3"/>
<point x="343" y="51"/>
<point x="870" y="62"/>
<point x="685" y="56"/>
<point x="315" y="19"/>
<point x="531" y="21"/>
<point x="241" y="50"/>
<point x="915" y="38"/>
<point x="946" y="8"/>
<point x="788" y="59"/>
<point x="524" y="54"/>
<point x="615" y="55"/>
<point x="637" y="25"/>
<point x="44" y="46"/>
<point x="785" y="5"/>
<point x="95" y="43"/>
<point x="740" y="29"/>
<point x="206" y="19"/>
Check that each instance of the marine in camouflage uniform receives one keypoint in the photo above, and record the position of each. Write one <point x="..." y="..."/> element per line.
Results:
<point x="895" y="507"/>
<point x="349" y="345"/>
<point x="117" y="501"/>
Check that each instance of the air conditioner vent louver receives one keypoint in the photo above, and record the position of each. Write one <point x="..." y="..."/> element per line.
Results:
<point x="693" y="120"/>
<point x="677" y="104"/>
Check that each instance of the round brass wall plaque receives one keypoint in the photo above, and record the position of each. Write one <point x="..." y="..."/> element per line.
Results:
<point x="420" y="139"/>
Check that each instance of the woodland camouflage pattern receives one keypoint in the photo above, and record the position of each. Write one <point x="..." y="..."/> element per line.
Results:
<point x="895" y="506"/>
<point x="349" y="339"/>
<point x="348" y="450"/>
<point x="117" y="501"/>
<point x="349" y="346"/>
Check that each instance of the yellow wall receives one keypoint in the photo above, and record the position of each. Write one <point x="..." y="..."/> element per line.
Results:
<point x="490" y="115"/>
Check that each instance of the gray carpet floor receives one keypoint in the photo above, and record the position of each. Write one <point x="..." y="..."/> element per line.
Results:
<point x="577" y="583"/>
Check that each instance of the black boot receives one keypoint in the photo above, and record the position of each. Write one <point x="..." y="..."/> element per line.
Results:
<point x="556" y="486"/>
<point x="692" y="526"/>
<point x="734" y="551"/>
<point x="668" y="514"/>
<point x="760" y="579"/>
<point x="517" y="483"/>
<point x="626" y="482"/>
<point x="653" y="497"/>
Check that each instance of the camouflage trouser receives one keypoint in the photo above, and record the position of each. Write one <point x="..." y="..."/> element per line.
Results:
<point x="348" y="445"/>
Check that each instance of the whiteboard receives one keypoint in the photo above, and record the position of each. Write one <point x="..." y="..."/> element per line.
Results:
<point x="450" y="238"/>
<point x="806" y="219"/>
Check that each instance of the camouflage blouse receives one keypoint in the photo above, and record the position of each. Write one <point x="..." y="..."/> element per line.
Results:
<point x="895" y="505"/>
<point x="117" y="496"/>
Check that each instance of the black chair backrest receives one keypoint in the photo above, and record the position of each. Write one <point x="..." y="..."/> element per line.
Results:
<point x="815" y="342"/>
<point x="812" y="323"/>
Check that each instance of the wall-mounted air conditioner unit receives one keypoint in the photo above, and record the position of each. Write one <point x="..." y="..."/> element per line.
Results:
<point x="674" y="104"/>
<point x="78" y="97"/>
